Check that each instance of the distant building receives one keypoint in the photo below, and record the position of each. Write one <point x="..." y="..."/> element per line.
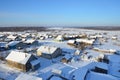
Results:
<point x="3" y="46"/>
<point x="49" y="52"/>
<point x="67" y="58"/>
<point x="11" y="37"/>
<point x="71" y="42"/>
<point x="86" y="41"/>
<point x="17" y="45"/>
<point x="31" y="42"/>
<point x="77" y="52"/>
<point x="59" y="38"/>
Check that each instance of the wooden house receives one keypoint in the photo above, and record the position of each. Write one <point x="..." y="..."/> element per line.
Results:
<point x="31" y="42"/>
<point x="20" y="60"/>
<point x="49" y="52"/>
<point x="59" y="38"/>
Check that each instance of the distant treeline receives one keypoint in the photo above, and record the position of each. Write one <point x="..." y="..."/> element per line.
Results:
<point x="16" y="29"/>
<point x="103" y="28"/>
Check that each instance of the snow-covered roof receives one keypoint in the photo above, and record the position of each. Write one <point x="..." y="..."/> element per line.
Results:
<point x="1" y="35"/>
<point x="59" y="37"/>
<point x="101" y="65"/>
<point x="80" y="73"/>
<point x="57" y="71"/>
<point x="67" y="72"/>
<point x="95" y="36"/>
<point x="11" y="37"/>
<point x="86" y="40"/>
<point x="23" y="76"/>
<point x="77" y="52"/>
<point x="99" y="76"/>
<point x="29" y="41"/>
<point x="13" y="43"/>
<point x="18" y="57"/>
<point x="3" y="44"/>
<point x="55" y="78"/>
<point x="105" y="50"/>
<point x="114" y="58"/>
<point x="71" y="41"/>
<point x="47" y="49"/>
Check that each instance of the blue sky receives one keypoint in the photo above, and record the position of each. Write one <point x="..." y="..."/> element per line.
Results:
<point x="59" y="12"/>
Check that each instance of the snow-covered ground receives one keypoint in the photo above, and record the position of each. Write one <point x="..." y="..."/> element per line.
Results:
<point x="48" y="65"/>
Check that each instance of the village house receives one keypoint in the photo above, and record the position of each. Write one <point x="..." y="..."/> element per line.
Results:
<point x="18" y="38"/>
<point x="17" y="45"/>
<point x="2" y="37"/>
<point x="49" y="52"/>
<point x="59" y="38"/>
<point x="3" y="46"/>
<point x="31" y="42"/>
<point x="11" y="37"/>
<point x="71" y="42"/>
<point x="12" y="44"/>
<point x="104" y="50"/>
<point x="114" y="38"/>
<point x="20" y="60"/>
<point x="91" y="56"/>
<point x="86" y="41"/>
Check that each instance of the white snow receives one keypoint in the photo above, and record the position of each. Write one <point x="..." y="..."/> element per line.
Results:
<point x="80" y="68"/>
<point x="23" y="76"/>
<point x="93" y="76"/>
